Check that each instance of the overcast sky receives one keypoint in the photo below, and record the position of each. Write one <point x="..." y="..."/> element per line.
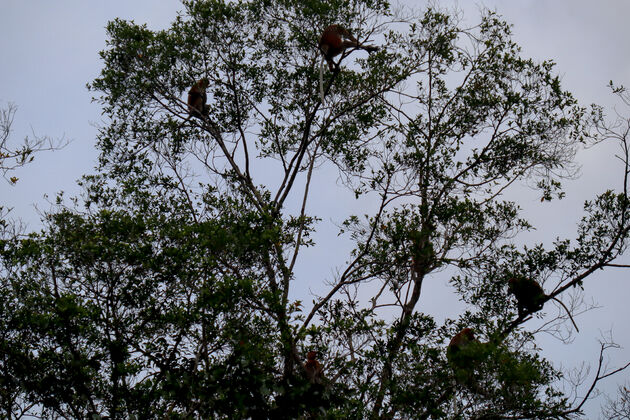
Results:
<point x="49" y="51"/>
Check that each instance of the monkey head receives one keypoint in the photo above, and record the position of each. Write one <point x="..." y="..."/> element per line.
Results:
<point x="203" y="83"/>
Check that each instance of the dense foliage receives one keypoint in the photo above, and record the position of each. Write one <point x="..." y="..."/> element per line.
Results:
<point x="168" y="290"/>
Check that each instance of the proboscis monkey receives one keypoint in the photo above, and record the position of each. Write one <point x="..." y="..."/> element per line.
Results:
<point x="530" y="296"/>
<point x="197" y="98"/>
<point x="335" y="40"/>
<point x="314" y="370"/>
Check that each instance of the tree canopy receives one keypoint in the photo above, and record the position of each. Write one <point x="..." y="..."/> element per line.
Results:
<point x="168" y="288"/>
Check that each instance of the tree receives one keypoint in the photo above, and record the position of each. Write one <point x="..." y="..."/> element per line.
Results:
<point x="619" y="409"/>
<point x="12" y="157"/>
<point x="170" y="292"/>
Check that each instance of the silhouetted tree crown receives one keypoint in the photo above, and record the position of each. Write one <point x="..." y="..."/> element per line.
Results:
<point x="169" y="288"/>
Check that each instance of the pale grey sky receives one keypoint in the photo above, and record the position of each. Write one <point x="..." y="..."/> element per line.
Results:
<point x="49" y="51"/>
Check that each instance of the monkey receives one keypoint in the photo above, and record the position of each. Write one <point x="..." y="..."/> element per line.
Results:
<point x="313" y="369"/>
<point x="336" y="39"/>
<point x="463" y="354"/>
<point x="530" y="297"/>
<point x="197" y="98"/>
<point x="456" y="352"/>
<point x="318" y="394"/>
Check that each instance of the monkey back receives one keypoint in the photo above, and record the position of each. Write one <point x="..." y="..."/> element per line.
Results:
<point x="527" y="292"/>
<point x="332" y="36"/>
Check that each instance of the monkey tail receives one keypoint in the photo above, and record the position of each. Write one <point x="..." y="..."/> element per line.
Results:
<point x="454" y="401"/>
<point x="568" y="313"/>
<point x="321" y="80"/>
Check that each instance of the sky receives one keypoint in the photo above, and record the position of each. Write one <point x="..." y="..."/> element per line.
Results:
<point x="49" y="52"/>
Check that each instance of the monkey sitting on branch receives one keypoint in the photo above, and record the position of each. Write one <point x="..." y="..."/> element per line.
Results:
<point x="313" y="369"/>
<point x="465" y="353"/>
<point x="317" y="397"/>
<point x="197" y="99"/>
<point x="456" y="351"/>
<point x="530" y="297"/>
